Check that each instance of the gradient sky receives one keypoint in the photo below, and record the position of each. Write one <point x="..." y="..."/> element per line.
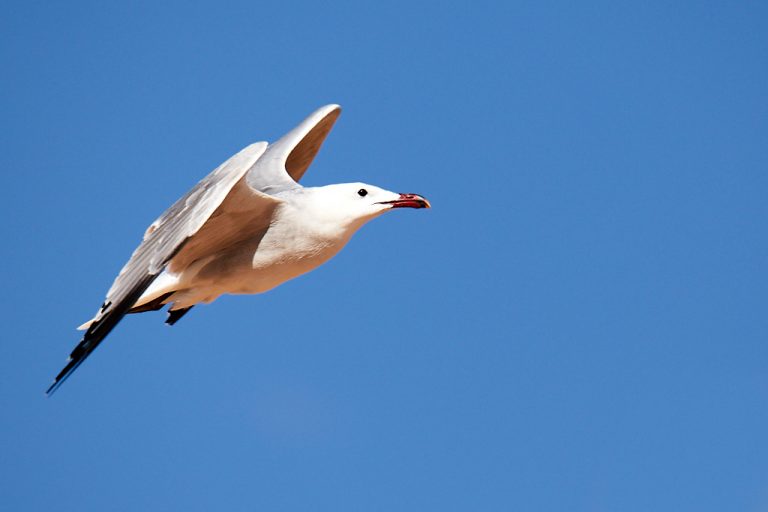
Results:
<point x="578" y="324"/>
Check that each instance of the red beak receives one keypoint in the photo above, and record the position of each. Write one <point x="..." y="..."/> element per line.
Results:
<point x="409" y="201"/>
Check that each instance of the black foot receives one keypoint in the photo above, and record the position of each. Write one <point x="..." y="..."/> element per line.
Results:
<point x="175" y="315"/>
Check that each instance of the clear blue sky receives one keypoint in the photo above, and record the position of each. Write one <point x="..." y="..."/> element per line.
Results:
<point x="578" y="324"/>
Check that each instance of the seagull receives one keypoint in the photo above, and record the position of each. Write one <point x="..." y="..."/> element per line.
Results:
<point x="245" y="228"/>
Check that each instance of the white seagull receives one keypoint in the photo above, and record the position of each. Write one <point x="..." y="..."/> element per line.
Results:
<point x="245" y="228"/>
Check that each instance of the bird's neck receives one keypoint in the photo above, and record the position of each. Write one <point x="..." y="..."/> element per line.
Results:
<point x="316" y="224"/>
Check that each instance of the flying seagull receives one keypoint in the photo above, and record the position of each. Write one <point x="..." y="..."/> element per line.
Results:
<point x="245" y="228"/>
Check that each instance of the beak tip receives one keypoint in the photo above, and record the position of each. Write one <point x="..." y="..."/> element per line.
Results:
<point x="415" y="201"/>
<point x="408" y="201"/>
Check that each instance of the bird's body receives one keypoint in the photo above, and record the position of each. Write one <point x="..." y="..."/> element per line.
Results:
<point x="304" y="239"/>
<point x="246" y="228"/>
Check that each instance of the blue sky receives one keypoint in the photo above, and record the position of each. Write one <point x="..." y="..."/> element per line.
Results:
<point x="578" y="324"/>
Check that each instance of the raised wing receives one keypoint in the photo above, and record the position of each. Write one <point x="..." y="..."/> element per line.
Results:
<point x="162" y="241"/>
<point x="286" y="160"/>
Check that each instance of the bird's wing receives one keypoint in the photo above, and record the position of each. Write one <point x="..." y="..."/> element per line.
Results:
<point x="286" y="160"/>
<point x="240" y="219"/>
<point x="164" y="239"/>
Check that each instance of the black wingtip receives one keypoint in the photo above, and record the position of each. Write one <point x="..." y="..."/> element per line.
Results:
<point x="63" y="375"/>
<point x="88" y="344"/>
<point x="98" y="330"/>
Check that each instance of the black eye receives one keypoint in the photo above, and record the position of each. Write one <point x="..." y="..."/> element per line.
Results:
<point x="362" y="192"/>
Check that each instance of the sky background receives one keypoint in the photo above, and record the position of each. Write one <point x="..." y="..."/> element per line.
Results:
<point x="578" y="324"/>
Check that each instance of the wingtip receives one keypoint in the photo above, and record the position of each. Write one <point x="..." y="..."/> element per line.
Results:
<point x="64" y="374"/>
<point x="56" y="384"/>
<point x="324" y="111"/>
<point x="52" y="389"/>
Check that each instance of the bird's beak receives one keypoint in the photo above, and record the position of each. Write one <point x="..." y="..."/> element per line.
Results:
<point x="408" y="201"/>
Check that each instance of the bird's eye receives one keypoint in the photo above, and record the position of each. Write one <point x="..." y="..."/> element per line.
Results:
<point x="362" y="192"/>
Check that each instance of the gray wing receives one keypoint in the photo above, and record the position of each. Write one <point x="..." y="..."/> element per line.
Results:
<point x="286" y="161"/>
<point x="242" y="218"/>
<point x="164" y="239"/>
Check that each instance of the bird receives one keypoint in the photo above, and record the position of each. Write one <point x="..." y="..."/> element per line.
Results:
<point x="245" y="228"/>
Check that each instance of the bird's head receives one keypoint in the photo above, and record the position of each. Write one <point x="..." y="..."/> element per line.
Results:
<point x="355" y="204"/>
